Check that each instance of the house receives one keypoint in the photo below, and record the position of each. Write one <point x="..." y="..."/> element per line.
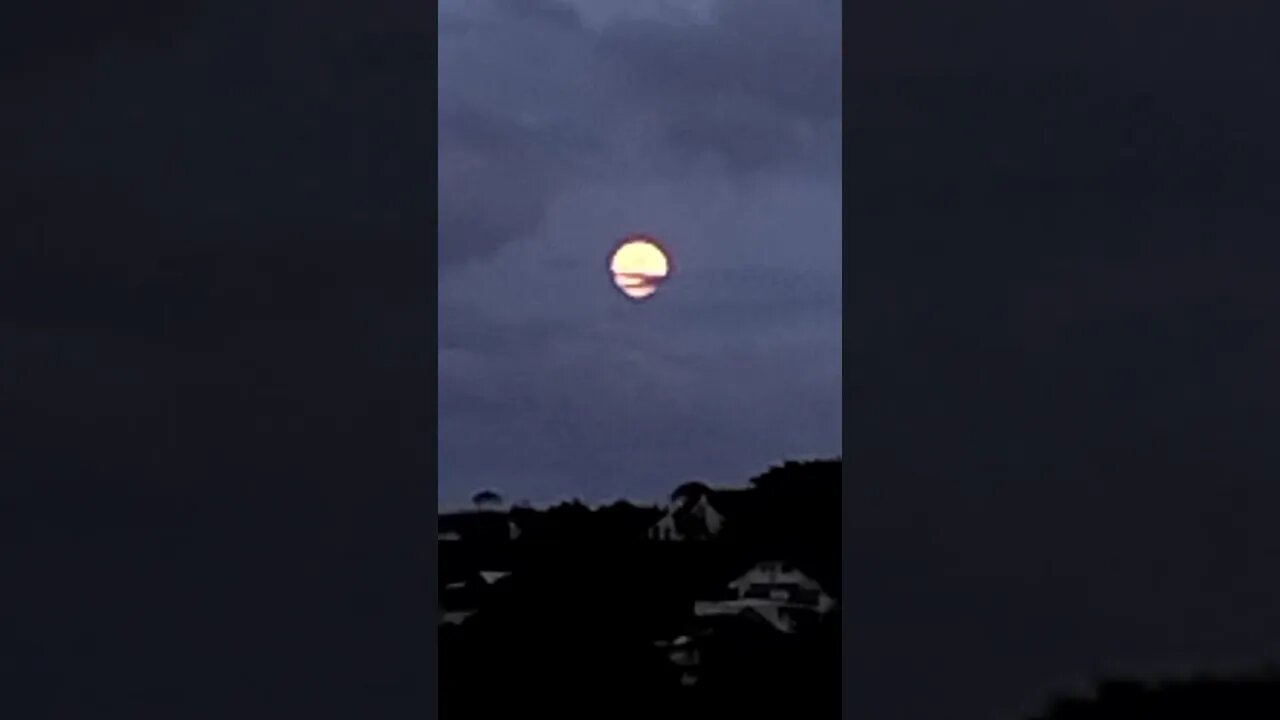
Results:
<point x="770" y="600"/>
<point x="774" y="593"/>
<point x="700" y="517"/>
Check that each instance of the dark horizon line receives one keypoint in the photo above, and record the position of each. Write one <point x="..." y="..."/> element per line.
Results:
<point x="636" y="503"/>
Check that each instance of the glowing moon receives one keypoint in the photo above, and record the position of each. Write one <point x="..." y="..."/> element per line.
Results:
<point x="639" y="266"/>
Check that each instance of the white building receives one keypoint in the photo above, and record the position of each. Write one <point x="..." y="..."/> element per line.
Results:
<point x="698" y="518"/>
<point x="776" y="593"/>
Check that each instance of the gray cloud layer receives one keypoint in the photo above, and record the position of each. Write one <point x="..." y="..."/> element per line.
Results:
<point x="563" y="129"/>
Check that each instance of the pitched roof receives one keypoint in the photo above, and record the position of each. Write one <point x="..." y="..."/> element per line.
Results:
<point x="469" y="590"/>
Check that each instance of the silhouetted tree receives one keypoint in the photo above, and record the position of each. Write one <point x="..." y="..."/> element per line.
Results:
<point x="690" y="491"/>
<point x="486" y="499"/>
<point x="624" y="522"/>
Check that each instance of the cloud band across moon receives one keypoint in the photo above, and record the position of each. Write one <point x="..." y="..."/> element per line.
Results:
<point x="639" y="266"/>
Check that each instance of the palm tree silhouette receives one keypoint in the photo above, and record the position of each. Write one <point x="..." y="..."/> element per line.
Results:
<point x="486" y="499"/>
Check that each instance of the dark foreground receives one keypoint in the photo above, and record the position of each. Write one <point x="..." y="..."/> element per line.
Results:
<point x="593" y="617"/>
<point x="580" y="641"/>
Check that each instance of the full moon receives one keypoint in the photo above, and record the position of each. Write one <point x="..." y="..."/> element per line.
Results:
<point x="638" y="266"/>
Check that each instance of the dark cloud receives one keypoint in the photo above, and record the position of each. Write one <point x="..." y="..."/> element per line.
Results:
<point x="599" y="417"/>
<point x="789" y="58"/>
<point x="599" y="408"/>
<point x="496" y="179"/>
<point x="744" y="89"/>
<point x="502" y="155"/>
<point x="548" y="11"/>
<point x="754" y="91"/>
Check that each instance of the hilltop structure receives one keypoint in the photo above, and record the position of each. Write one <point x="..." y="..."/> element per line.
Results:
<point x="700" y="517"/>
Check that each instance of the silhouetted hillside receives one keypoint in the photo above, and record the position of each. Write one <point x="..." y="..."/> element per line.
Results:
<point x="586" y="612"/>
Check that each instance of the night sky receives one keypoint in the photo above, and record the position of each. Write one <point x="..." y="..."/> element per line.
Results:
<point x="565" y="128"/>
<point x="1061" y="225"/>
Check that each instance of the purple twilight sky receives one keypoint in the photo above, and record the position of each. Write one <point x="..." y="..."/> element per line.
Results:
<point x="566" y="127"/>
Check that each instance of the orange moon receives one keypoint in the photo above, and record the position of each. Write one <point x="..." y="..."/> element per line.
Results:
<point x="639" y="266"/>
